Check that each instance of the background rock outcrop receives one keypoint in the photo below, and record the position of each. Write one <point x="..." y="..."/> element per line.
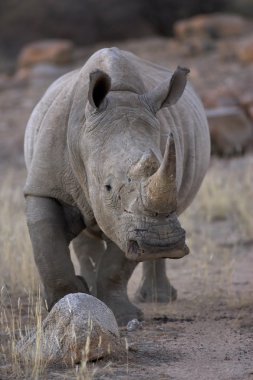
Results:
<point x="50" y="51"/>
<point x="86" y="22"/>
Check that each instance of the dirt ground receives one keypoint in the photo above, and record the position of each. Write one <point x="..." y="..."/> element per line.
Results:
<point x="208" y="332"/>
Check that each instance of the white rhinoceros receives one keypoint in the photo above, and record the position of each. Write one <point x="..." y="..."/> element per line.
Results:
<point x="117" y="149"/>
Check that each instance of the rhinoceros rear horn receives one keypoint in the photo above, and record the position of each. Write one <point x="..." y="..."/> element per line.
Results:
<point x="167" y="94"/>
<point x="100" y="85"/>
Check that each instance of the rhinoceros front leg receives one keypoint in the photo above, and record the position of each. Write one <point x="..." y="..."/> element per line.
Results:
<point x="155" y="286"/>
<point x="113" y="275"/>
<point x="50" y="239"/>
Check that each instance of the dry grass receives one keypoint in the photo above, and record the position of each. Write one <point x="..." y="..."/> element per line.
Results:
<point x="225" y="200"/>
<point x="229" y="195"/>
<point x="18" y="271"/>
<point x="17" y="320"/>
<point x="20" y="299"/>
<point x="220" y="226"/>
<point x="21" y="308"/>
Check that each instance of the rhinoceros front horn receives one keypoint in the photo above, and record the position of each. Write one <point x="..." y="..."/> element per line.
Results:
<point x="160" y="192"/>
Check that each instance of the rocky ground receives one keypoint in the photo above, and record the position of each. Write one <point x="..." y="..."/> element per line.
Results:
<point x="208" y="332"/>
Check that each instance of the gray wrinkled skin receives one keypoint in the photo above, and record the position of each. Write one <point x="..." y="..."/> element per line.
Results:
<point x="115" y="152"/>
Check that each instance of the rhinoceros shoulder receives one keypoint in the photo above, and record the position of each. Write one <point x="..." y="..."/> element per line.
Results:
<point x="46" y="154"/>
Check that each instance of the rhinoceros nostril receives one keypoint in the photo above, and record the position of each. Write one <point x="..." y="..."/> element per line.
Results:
<point x="108" y="187"/>
<point x="133" y="248"/>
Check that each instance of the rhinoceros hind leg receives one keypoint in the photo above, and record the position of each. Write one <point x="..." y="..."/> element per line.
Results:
<point x="89" y="249"/>
<point x="155" y="286"/>
<point x="113" y="275"/>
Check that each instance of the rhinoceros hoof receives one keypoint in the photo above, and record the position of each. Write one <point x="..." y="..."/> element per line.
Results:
<point x="123" y="310"/>
<point x="164" y="293"/>
<point x="126" y="314"/>
<point x="79" y="327"/>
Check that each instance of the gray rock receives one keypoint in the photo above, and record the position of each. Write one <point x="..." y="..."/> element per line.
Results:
<point x="79" y="327"/>
<point x="133" y="325"/>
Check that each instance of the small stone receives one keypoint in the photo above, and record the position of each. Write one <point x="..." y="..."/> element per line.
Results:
<point x="133" y="325"/>
<point x="79" y="327"/>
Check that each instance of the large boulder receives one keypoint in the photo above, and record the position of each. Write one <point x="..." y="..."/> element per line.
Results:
<point x="230" y="129"/>
<point x="222" y="95"/>
<point x="46" y="51"/>
<point x="79" y="327"/>
<point x="218" y="25"/>
<point x="246" y="102"/>
<point x="240" y="49"/>
<point x="244" y="51"/>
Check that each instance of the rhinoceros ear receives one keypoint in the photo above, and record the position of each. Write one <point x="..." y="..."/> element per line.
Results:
<point x="167" y="94"/>
<point x="100" y="85"/>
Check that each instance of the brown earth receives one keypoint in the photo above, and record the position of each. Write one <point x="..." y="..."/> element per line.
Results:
<point x="208" y="332"/>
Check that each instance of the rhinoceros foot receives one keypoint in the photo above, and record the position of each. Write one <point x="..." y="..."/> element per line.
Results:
<point x="160" y="291"/>
<point x="126" y="313"/>
<point x="123" y="310"/>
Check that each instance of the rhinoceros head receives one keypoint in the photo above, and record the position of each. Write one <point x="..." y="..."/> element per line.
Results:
<point x="131" y="185"/>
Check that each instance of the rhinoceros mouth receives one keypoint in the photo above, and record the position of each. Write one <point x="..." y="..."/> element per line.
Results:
<point x="139" y="250"/>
